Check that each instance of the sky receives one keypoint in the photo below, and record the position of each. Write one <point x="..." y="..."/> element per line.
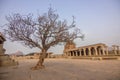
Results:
<point x="99" y="20"/>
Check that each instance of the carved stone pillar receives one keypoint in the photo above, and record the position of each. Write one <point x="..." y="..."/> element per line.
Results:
<point x="96" y="53"/>
<point x="80" y="52"/>
<point x="70" y="53"/>
<point x="73" y="53"/>
<point x="76" y="53"/>
<point x="106" y="50"/>
<point x="114" y="49"/>
<point x="103" y="50"/>
<point x="89" y="51"/>
<point x="99" y="50"/>
<point x="84" y="52"/>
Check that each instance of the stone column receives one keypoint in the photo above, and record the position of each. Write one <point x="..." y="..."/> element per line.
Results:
<point x="106" y="50"/>
<point x="70" y="53"/>
<point x="114" y="49"/>
<point x="84" y="52"/>
<point x="89" y="51"/>
<point x="73" y="53"/>
<point x="103" y="50"/>
<point x="76" y="53"/>
<point x="80" y="52"/>
<point x="96" y="53"/>
<point x="100" y="51"/>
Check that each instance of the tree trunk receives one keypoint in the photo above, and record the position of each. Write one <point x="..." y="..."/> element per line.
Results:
<point x="39" y="64"/>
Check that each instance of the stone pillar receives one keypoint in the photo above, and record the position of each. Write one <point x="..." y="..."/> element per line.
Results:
<point x="100" y="51"/>
<point x="75" y="53"/>
<point x="84" y="52"/>
<point x="80" y="52"/>
<point x="114" y="49"/>
<point x="96" y="53"/>
<point x="67" y="54"/>
<point x="103" y="50"/>
<point x="106" y="50"/>
<point x="89" y="51"/>
<point x="70" y="53"/>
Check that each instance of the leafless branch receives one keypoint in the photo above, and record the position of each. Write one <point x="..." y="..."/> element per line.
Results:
<point x="46" y="31"/>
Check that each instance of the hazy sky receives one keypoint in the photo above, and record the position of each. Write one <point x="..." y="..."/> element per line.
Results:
<point x="99" y="20"/>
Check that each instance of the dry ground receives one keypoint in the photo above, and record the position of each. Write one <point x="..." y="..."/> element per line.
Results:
<point x="64" y="69"/>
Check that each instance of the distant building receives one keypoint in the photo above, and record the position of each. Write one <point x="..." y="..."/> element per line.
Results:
<point x="95" y="50"/>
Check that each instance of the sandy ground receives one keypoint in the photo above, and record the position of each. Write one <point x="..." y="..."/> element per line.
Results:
<point x="64" y="69"/>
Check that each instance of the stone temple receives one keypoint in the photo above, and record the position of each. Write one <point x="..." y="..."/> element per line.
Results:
<point x="5" y="60"/>
<point x="94" y="51"/>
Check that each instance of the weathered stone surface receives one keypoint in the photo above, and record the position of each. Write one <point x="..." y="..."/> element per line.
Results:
<point x="69" y="45"/>
<point x="5" y="60"/>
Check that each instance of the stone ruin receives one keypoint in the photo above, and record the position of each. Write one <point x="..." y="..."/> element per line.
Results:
<point x="98" y="50"/>
<point x="69" y="45"/>
<point x="5" y="60"/>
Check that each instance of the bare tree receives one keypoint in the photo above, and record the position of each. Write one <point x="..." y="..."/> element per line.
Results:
<point x="45" y="31"/>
